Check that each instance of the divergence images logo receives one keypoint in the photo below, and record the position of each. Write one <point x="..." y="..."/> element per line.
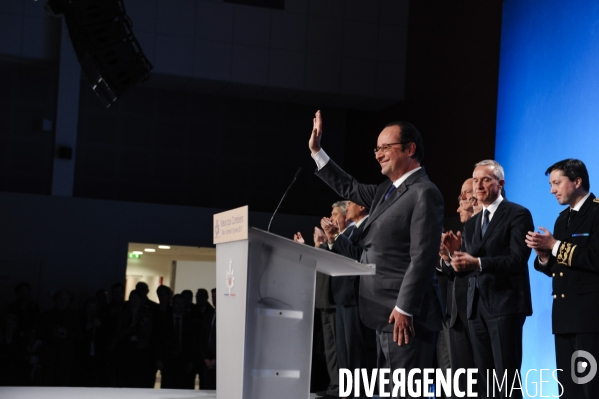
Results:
<point x="582" y="366"/>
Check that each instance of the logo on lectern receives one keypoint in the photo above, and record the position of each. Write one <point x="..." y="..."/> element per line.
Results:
<point x="230" y="278"/>
<point x="216" y="229"/>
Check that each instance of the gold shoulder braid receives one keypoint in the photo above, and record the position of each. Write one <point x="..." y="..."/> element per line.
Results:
<point x="596" y="200"/>
<point x="565" y="252"/>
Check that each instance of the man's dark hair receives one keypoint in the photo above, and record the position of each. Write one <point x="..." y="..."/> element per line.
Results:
<point x="164" y="288"/>
<point x="203" y="293"/>
<point x="176" y="297"/>
<point x="572" y="168"/>
<point x="409" y="134"/>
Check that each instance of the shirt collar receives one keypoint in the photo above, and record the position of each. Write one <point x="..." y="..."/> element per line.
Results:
<point x="361" y="221"/>
<point x="580" y="203"/>
<point x="493" y="207"/>
<point x="347" y="227"/>
<point x="403" y="178"/>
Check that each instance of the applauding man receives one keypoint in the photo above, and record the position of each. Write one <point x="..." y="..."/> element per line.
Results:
<point x="571" y="258"/>
<point x="494" y="254"/>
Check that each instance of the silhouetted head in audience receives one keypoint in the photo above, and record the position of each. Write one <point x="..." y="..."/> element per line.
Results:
<point x="134" y="300"/>
<point x="164" y="295"/>
<point x="142" y="289"/>
<point x="188" y="296"/>
<point x="214" y="297"/>
<point x="117" y="293"/>
<point x="62" y="300"/>
<point x="178" y="305"/>
<point x="201" y="297"/>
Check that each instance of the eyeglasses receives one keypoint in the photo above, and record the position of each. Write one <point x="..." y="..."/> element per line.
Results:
<point x="385" y="147"/>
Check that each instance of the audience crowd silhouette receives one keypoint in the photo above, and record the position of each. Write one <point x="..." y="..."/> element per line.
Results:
<point x="110" y="342"/>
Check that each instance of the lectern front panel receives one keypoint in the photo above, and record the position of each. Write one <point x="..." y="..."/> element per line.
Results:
<point x="279" y="322"/>
<point x="231" y="294"/>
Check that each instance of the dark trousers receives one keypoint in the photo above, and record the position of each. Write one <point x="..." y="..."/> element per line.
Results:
<point x="356" y="343"/>
<point x="497" y="347"/>
<point x="565" y="346"/>
<point x="327" y="317"/>
<point x="419" y="353"/>
<point x="443" y="355"/>
<point x="462" y="356"/>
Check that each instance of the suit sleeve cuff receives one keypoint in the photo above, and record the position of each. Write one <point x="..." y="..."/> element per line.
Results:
<point x="440" y="265"/>
<point x="402" y="312"/>
<point x="480" y="266"/>
<point x="556" y="248"/>
<point x="321" y="158"/>
<point x="542" y="263"/>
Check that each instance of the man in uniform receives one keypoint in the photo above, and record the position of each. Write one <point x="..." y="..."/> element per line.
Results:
<point x="571" y="258"/>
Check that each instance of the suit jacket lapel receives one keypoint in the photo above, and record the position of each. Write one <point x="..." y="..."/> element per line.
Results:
<point x="577" y="221"/>
<point x="475" y="233"/>
<point x="497" y="216"/>
<point x="383" y="204"/>
<point x="357" y="233"/>
<point x="394" y="196"/>
<point x="560" y="225"/>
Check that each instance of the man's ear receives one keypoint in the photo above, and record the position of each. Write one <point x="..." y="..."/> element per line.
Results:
<point x="411" y="148"/>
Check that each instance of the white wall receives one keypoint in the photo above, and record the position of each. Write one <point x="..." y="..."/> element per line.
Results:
<point x="192" y="275"/>
<point x="148" y="268"/>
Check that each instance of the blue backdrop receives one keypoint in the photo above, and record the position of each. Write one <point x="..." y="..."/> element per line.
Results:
<point x="548" y="110"/>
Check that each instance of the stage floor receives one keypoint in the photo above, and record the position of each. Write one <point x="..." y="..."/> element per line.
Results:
<point x="103" y="393"/>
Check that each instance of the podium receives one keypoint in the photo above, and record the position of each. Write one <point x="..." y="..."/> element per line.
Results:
<point x="265" y="314"/>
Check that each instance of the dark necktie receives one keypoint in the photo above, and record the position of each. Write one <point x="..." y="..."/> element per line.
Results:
<point x="571" y="215"/>
<point x="389" y="192"/>
<point x="485" y="222"/>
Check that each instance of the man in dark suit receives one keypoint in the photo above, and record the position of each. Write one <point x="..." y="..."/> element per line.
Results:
<point x="356" y="343"/>
<point x="401" y="236"/>
<point x="324" y="301"/>
<point x="459" y="345"/>
<point x="571" y="259"/>
<point x="177" y="347"/>
<point x="494" y="253"/>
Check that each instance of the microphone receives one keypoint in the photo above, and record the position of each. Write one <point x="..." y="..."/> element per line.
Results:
<point x="298" y="174"/>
